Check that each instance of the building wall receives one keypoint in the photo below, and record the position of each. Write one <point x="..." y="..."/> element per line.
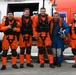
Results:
<point x="3" y="11"/>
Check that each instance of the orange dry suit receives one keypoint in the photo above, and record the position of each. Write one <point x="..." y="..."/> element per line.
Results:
<point x="73" y="38"/>
<point x="41" y="31"/>
<point x="25" y="39"/>
<point x="9" y="40"/>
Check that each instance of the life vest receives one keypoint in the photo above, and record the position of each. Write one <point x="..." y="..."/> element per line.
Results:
<point x="43" y="26"/>
<point x="10" y="34"/>
<point x="52" y="25"/>
<point x="73" y="30"/>
<point x="10" y="31"/>
<point x="26" y="28"/>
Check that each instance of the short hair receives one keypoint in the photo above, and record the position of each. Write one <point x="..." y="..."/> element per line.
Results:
<point x="42" y="8"/>
<point x="56" y="13"/>
<point x="10" y="12"/>
<point x="74" y="13"/>
<point x="26" y="9"/>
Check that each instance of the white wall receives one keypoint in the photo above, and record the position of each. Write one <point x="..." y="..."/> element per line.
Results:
<point x="48" y="7"/>
<point x="3" y="10"/>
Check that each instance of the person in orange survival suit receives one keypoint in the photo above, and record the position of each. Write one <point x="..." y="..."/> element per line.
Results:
<point x="25" y="39"/>
<point x="10" y="28"/>
<point x="41" y="34"/>
<point x="73" y="38"/>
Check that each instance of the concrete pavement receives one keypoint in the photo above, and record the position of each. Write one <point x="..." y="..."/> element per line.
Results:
<point x="66" y="69"/>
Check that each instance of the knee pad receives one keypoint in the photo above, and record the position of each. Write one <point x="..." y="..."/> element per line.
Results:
<point x="59" y="52"/>
<point x="28" y="50"/>
<point x="54" y="51"/>
<point x="49" y="50"/>
<point x="14" y="53"/>
<point x="4" y="54"/>
<point x="41" y="51"/>
<point x="74" y="51"/>
<point x="22" y="51"/>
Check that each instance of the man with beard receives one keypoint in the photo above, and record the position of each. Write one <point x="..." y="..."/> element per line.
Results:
<point x="59" y="28"/>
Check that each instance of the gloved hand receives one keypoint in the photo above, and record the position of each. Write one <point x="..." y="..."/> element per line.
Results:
<point x="36" y="38"/>
<point x="14" y="29"/>
<point x="62" y="33"/>
<point x="9" y="26"/>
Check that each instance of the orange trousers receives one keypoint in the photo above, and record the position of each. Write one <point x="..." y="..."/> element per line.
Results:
<point x="6" y="44"/>
<point x="47" y="43"/>
<point x="75" y="58"/>
<point x="73" y="43"/>
<point x="25" y="44"/>
<point x="5" y="47"/>
<point x="73" y="46"/>
<point x="50" y="57"/>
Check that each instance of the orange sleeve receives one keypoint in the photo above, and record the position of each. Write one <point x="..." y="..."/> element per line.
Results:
<point x="69" y="37"/>
<point x="32" y="17"/>
<point x="35" y="22"/>
<point x="50" y="18"/>
<point x="18" y="27"/>
<point x="18" y="19"/>
<point x="51" y="24"/>
<point x="3" y="27"/>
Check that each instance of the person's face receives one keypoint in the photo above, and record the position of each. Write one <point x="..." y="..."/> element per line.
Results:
<point x="56" y="17"/>
<point x="10" y="16"/>
<point x="26" y="13"/>
<point x="43" y="12"/>
<point x="74" y="16"/>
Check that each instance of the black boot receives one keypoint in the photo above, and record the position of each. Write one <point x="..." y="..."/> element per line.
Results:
<point x="55" y="63"/>
<point x="74" y="66"/>
<point x="15" y="66"/>
<point x="52" y="65"/>
<point x="58" y="64"/>
<point x="42" y="65"/>
<point x="30" y="65"/>
<point x="3" y="67"/>
<point x="21" y="65"/>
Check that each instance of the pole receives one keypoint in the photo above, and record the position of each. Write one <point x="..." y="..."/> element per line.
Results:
<point x="54" y="1"/>
<point x="43" y="3"/>
<point x="54" y="4"/>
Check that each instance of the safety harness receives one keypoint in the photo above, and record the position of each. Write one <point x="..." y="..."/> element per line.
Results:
<point x="26" y="28"/>
<point x="10" y="32"/>
<point x="43" y="26"/>
<point x="74" y="21"/>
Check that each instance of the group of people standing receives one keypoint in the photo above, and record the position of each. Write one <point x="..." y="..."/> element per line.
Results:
<point x="49" y="33"/>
